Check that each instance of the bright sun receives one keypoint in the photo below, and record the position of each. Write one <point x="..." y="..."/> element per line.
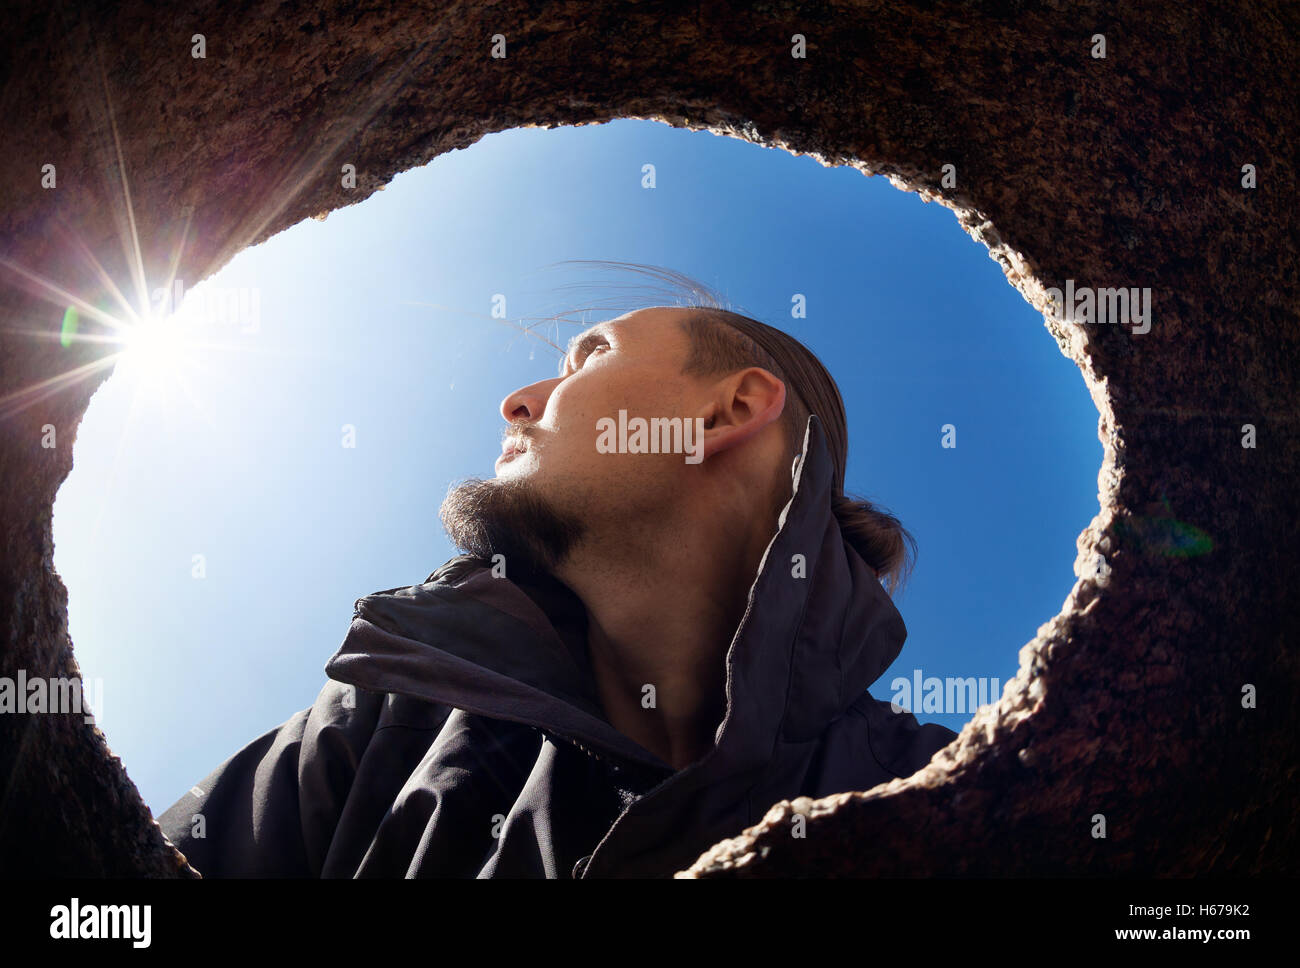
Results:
<point x="153" y="343"/>
<point x="154" y="351"/>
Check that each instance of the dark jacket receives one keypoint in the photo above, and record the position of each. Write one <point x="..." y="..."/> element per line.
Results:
<point x="473" y="744"/>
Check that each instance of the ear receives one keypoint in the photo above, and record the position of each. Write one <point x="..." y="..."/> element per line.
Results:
<point x="745" y="404"/>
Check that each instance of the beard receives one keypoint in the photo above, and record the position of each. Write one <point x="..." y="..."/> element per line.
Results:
<point x="508" y="517"/>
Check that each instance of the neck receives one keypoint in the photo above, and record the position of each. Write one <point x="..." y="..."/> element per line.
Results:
<point x="663" y="604"/>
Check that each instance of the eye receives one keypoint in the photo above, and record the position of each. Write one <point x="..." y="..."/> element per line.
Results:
<point x="597" y="344"/>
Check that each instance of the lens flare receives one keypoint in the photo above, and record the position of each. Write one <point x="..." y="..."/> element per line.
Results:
<point x="152" y="349"/>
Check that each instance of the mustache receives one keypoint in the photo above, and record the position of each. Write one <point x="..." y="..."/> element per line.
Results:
<point x="520" y="434"/>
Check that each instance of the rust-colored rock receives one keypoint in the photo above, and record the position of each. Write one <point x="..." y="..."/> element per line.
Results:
<point x="1123" y="171"/>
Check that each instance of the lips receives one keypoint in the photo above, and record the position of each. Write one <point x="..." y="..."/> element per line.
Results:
<point x="511" y="448"/>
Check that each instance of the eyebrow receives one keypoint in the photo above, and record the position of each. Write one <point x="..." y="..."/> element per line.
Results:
<point x="583" y="341"/>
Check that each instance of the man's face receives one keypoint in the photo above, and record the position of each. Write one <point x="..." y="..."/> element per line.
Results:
<point x="554" y="485"/>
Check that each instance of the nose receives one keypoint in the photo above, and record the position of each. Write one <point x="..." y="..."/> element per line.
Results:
<point x="528" y="403"/>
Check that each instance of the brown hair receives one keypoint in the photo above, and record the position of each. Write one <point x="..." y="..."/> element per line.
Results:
<point x="723" y="341"/>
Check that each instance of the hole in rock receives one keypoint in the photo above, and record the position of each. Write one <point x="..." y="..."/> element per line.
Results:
<point x="217" y="526"/>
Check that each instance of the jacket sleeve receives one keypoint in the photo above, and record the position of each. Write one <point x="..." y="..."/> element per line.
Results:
<point x="271" y="809"/>
<point x="901" y="744"/>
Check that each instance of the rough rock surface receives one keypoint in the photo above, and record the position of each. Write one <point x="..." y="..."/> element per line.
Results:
<point x="1122" y="171"/>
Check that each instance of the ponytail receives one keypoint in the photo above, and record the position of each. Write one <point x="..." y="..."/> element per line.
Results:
<point x="878" y="537"/>
<point x="722" y="341"/>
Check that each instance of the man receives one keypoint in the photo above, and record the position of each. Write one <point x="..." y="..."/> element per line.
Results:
<point x="651" y="638"/>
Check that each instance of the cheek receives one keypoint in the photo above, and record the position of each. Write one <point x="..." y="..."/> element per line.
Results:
<point x="569" y="433"/>
<point x="571" y="414"/>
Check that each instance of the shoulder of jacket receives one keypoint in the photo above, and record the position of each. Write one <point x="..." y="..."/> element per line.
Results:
<point x="361" y="713"/>
<point x="899" y="742"/>
<point x="343" y="705"/>
<point x="455" y="569"/>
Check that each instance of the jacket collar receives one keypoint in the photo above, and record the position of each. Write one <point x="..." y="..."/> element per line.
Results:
<point x="818" y="629"/>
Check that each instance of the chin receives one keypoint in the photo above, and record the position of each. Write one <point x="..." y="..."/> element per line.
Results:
<point x="506" y="515"/>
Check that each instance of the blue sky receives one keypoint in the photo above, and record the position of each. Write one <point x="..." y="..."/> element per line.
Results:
<point x="378" y="317"/>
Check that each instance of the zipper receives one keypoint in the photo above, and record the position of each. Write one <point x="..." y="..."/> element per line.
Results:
<point x="557" y="737"/>
<point x="616" y="770"/>
<point x="617" y="767"/>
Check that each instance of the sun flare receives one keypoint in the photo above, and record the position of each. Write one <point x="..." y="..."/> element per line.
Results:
<point x="152" y="348"/>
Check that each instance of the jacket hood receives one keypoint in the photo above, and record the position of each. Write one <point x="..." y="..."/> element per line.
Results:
<point x="817" y="630"/>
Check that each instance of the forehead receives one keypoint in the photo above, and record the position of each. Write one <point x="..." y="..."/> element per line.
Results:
<point x="646" y="332"/>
